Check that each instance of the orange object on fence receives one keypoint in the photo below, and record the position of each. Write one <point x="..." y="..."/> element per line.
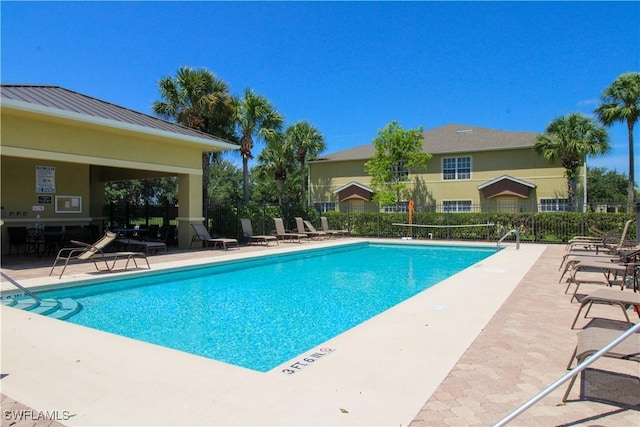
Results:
<point x="409" y="232"/>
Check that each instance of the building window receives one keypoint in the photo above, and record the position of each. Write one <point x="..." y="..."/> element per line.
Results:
<point x="553" y="205"/>
<point x="400" y="207"/>
<point x="323" y="207"/>
<point x="456" y="206"/>
<point x="400" y="172"/>
<point x="454" y="168"/>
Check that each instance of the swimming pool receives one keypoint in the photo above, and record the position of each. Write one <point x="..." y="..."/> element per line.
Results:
<point x="261" y="312"/>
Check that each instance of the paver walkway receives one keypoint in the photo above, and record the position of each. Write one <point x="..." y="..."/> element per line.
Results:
<point x="525" y="348"/>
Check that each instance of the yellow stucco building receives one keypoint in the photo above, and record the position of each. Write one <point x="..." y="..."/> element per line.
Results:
<point x="59" y="147"/>
<point x="472" y="169"/>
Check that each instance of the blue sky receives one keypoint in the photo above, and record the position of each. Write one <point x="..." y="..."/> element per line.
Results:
<point x="349" y="68"/>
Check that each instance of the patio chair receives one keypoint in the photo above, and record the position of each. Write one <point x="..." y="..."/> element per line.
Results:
<point x="312" y="229"/>
<point x="608" y="269"/>
<point x="607" y="246"/>
<point x="202" y="235"/>
<point x="592" y="339"/>
<point x="300" y="223"/>
<point x="326" y="229"/>
<point x="609" y="296"/>
<point x="247" y="231"/>
<point x="284" y="235"/>
<point x="144" y="245"/>
<point x="85" y="252"/>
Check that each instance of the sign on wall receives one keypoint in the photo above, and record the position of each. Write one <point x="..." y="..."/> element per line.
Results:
<point x="45" y="179"/>
<point x="68" y="204"/>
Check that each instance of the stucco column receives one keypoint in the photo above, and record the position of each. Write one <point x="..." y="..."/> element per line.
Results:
<point x="189" y="207"/>
<point x="97" y="198"/>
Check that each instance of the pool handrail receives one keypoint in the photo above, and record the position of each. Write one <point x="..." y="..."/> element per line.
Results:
<point x="572" y="373"/>
<point x="515" y="233"/>
<point x="19" y="286"/>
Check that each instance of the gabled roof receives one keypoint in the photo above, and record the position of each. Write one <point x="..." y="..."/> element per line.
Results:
<point x="506" y="185"/>
<point x="451" y="138"/>
<point x="353" y="184"/>
<point x="506" y="178"/>
<point x="61" y="102"/>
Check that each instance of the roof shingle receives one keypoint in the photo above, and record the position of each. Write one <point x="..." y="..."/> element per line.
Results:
<point x="451" y="138"/>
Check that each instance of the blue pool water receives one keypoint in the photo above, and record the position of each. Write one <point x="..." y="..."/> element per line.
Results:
<point x="262" y="312"/>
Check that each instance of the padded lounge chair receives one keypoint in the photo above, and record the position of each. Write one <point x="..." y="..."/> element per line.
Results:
<point x="247" y="230"/>
<point x="202" y="235"/>
<point x="591" y="340"/>
<point x="95" y="253"/>
<point x="284" y="235"/>
<point x="300" y="223"/>
<point x="326" y="229"/>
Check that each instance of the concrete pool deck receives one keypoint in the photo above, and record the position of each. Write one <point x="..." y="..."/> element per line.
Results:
<point x="457" y="346"/>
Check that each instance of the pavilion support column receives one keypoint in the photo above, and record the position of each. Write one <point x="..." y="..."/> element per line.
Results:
<point x="98" y="198"/>
<point x="189" y="207"/>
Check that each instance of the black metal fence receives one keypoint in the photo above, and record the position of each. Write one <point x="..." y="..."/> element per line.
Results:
<point x="434" y="223"/>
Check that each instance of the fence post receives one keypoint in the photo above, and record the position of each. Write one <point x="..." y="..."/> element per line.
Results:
<point x="637" y="220"/>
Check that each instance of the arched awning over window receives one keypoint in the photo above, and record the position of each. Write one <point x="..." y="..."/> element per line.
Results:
<point x="354" y="191"/>
<point x="506" y="185"/>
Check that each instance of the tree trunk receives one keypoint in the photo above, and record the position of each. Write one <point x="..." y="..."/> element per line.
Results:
<point x="245" y="179"/>
<point x="631" y="193"/>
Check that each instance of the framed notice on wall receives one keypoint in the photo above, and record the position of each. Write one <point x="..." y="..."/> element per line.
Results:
<point x="45" y="179"/>
<point x="68" y="204"/>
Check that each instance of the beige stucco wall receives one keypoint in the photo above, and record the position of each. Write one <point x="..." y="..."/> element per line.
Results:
<point x="523" y="164"/>
<point x="76" y="142"/>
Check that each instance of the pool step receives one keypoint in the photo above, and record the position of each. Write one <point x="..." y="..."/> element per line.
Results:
<point x="9" y="302"/>
<point x="58" y="309"/>
<point x="67" y="308"/>
<point x="46" y="306"/>
<point x="26" y="304"/>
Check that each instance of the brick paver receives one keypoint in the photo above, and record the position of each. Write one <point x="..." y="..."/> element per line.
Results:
<point x="525" y="348"/>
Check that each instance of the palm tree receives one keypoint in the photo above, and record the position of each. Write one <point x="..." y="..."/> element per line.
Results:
<point x="306" y="141"/>
<point x="621" y="102"/>
<point x="198" y="100"/>
<point x="253" y="116"/>
<point x="569" y="139"/>
<point x="275" y="160"/>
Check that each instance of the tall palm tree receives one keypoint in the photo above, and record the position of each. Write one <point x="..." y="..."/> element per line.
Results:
<point x="253" y="116"/>
<point x="195" y="98"/>
<point x="275" y="160"/>
<point x="569" y="139"/>
<point x="620" y="103"/>
<point x="307" y="142"/>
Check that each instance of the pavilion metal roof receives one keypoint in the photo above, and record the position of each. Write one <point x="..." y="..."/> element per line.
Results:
<point x="58" y="98"/>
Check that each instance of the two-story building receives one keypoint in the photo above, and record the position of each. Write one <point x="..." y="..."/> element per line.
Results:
<point x="473" y="169"/>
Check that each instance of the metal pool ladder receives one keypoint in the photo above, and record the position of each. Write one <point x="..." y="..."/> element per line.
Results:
<point x="515" y="233"/>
